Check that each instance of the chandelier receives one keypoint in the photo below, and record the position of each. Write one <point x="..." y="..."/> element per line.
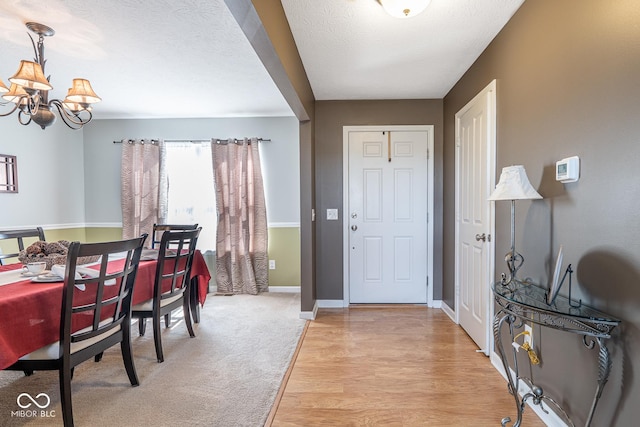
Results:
<point x="404" y="8"/>
<point x="29" y="91"/>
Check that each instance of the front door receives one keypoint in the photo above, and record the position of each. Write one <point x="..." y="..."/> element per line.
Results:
<point x="387" y="216"/>
<point x="475" y="141"/>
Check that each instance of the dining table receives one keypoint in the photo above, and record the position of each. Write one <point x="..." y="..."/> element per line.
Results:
<point x="30" y="311"/>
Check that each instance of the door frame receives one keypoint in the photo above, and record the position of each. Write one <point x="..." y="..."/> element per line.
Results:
<point x="345" y="200"/>
<point x="490" y="92"/>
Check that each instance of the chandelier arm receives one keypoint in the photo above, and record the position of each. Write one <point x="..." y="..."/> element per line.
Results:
<point x="34" y="104"/>
<point x="71" y="119"/>
<point x="22" y="113"/>
<point x="30" y="108"/>
<point x="15" y="107"/>
<point x="33" y="98"/>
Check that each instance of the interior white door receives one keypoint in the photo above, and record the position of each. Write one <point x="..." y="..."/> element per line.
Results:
<point x="473" y="215"/>
<point x="388" y="217"/>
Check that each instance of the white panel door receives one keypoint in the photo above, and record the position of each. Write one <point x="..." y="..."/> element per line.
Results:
<point x="474" y="169"/>
<point x="388" y="217"/>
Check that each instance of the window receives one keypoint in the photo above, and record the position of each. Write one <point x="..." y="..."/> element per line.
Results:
<point x="191" y="196"/>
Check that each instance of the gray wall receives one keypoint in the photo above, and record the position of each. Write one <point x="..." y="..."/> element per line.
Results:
<point x="71" y="178"/>
<point x="280" y="159"/>
<point x="50" y="175"/>
<point x="331" y="116"/>
<point x="567" y="74"/>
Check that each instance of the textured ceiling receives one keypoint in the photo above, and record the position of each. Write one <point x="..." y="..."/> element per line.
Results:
<point x="352" y="49"/>
<point x="154" y="58"/>
<point x="165" y="58"/>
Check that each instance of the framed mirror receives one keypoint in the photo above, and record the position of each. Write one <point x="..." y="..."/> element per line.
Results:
<point x="8" y="174"/>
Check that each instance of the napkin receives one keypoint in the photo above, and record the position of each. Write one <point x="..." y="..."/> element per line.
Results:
<point x="152" y="254"/>
<point x="149" y="255"/>
<point x="81" y="273"/>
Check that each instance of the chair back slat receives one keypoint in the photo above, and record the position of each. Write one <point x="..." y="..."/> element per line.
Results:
<point x="159" y="229"/>
<point x="19" y="236"/>
<point x="175" y="257"/>
<point x="98" y="302"/>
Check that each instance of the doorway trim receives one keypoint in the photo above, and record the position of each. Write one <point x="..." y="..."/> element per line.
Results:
<point x="490" y="92"/>
<point x="345" y="200"/>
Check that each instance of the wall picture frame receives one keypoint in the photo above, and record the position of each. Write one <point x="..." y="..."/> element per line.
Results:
<point x="8" y="173"/>
<point x="554" y="285"/>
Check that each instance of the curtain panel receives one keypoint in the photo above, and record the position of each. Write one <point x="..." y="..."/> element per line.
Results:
<point x="241" y="238"/>
<point x="144" y="186"/>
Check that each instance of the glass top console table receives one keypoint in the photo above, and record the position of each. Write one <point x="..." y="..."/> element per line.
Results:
<point x="520" y="302"/>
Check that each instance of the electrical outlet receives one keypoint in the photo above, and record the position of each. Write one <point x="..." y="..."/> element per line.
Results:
<point x="528" y="338"/>
<point x="272" y="264"/>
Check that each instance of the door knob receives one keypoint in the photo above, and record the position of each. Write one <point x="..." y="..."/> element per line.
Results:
<point x="354" y="227"/>
<point x="482" y="237"/>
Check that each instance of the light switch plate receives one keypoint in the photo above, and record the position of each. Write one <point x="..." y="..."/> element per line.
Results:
<point x="332" y="214"/>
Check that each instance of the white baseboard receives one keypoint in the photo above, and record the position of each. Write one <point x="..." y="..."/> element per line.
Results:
<point x="310" y="315"/>
<point x="550" y="419"/>
<point x="449" y="312"/>
<point x="338" y="303"/>
<point x="288" y="289"/>
<point x="331" y="303"/>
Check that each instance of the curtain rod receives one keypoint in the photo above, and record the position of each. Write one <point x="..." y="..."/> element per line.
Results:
<point x="217" y="140"/>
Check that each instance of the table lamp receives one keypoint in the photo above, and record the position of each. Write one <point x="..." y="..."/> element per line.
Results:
<point x="514" y="185"/>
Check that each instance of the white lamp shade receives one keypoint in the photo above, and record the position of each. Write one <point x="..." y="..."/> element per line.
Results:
<point x="30" y="75"/>
<point x="81" y="92"/>
<point x="514" y="185"/>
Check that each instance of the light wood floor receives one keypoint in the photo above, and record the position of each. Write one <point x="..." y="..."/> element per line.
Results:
<point x="392" y="366"/>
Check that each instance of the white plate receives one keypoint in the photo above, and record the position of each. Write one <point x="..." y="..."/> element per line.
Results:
<point x="27" y="274"/>
<point x="47" y="278"/>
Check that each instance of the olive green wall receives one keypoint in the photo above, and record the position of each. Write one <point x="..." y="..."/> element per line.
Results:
<point x="103" y="234"/>
<point x="284" y="249"/>
<point x="568" y="84"/>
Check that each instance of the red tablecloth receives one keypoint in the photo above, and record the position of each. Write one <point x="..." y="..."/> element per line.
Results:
<point x="30" y="312"/>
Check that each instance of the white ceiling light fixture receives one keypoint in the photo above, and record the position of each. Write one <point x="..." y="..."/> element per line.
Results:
<point x="29" y="91"/>
<point x="404" y="8"/>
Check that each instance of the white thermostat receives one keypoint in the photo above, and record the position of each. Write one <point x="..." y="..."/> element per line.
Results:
<point x="568" y="170"/>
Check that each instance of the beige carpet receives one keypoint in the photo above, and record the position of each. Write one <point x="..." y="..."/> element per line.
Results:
<point x="227" y="376"/>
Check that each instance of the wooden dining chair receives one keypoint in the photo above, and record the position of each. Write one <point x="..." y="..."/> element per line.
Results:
<point x="172" y="284"/>
<point x="19" y="236"/>
<point x="95" y="315"/>
<point x="159" y="229"/>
